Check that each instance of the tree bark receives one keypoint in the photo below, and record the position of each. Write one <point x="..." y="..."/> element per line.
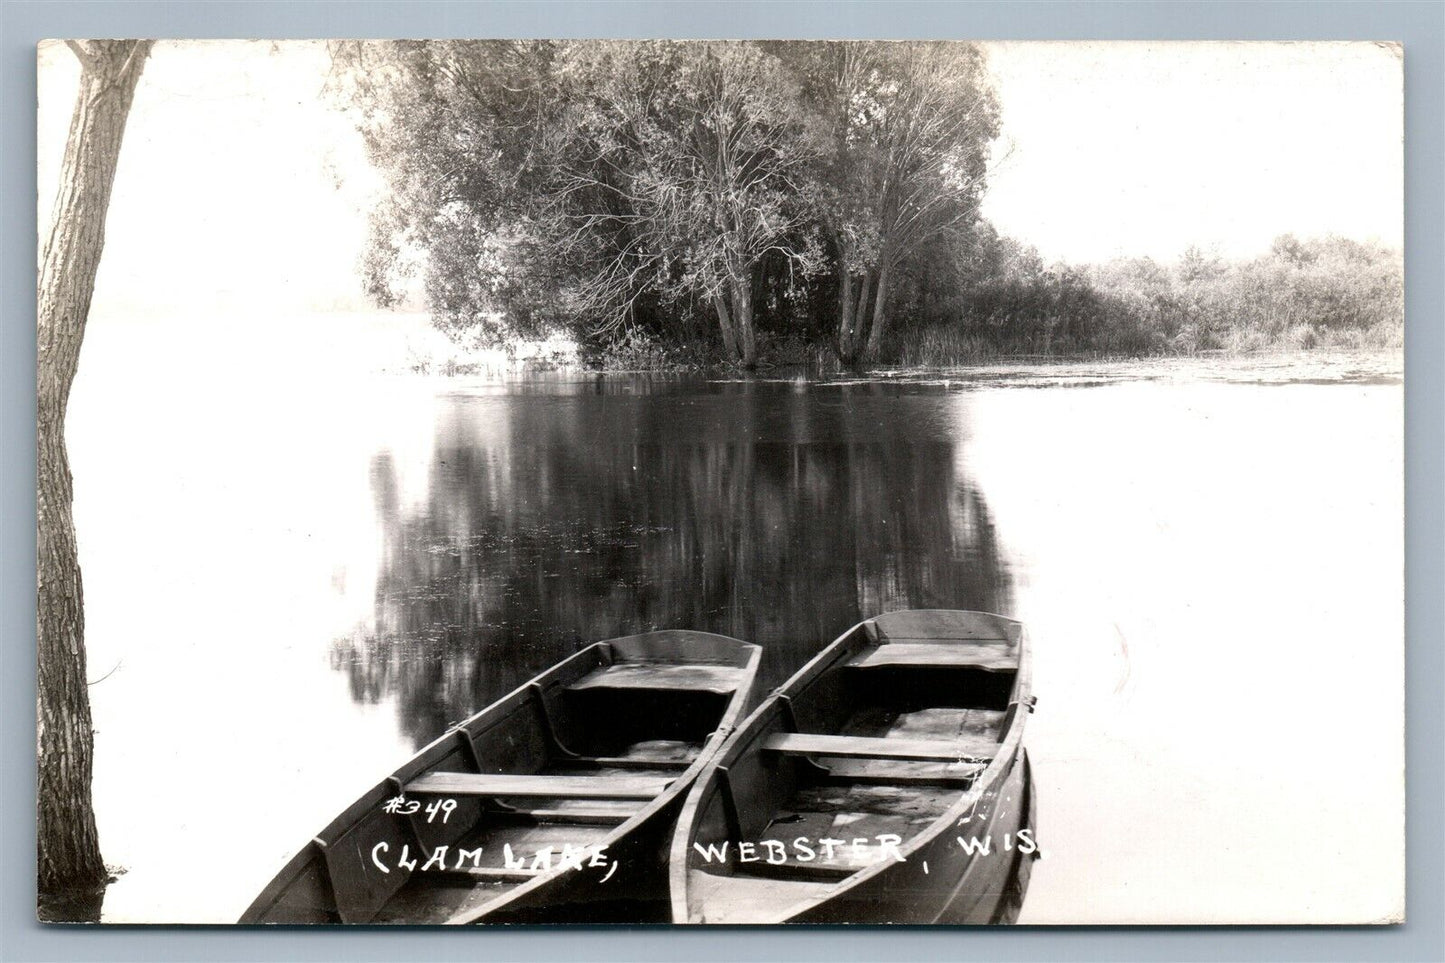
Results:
<point x="725" y="322"/>
<point x="743" y="321"/>
<point x="734" y="307"/>
<point x="861" y="319"/>
<point x="880" y="316"/>
<point x="860" y="313"/>
<point x="68" y="848"/>
<point x="847" y="341"/>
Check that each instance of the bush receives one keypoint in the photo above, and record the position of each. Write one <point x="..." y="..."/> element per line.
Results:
<point x="1323" y="292"/>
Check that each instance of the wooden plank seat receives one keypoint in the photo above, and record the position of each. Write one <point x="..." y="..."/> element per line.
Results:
<point x="935" y="624"/>
<point x="721" y="679"/>
<point x="889" y="772"/>
<point x="540" y="787"/>
<point x="994" y="656"/>
<point x="965" y="748"/>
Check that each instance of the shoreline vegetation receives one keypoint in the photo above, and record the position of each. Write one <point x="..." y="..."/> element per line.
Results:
<point x="1328" y="294"/>
<point x="693" y="205"/>
<point x="1332" y="361"/>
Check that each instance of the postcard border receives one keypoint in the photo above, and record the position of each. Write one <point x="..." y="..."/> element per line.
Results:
<point x="1421" y="26"/>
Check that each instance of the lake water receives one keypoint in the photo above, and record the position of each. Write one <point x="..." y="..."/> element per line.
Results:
<point x="293" y="581"/>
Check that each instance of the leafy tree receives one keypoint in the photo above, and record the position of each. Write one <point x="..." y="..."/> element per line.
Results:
<point x="459" y="129"/>
<point x="690" y="156"/>
<point x="903" y="131"/>
<point x="592" y="184"/>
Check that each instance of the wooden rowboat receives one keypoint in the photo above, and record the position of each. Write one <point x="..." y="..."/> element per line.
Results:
<point x="885" y="782"/>
<point x="522" y="811"/>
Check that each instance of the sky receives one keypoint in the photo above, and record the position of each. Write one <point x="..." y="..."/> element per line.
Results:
<point x="240" y="186"/>
<point x="1145" y="148"/>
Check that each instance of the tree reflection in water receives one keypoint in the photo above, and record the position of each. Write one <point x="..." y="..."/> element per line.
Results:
<point x="775" y="513"/>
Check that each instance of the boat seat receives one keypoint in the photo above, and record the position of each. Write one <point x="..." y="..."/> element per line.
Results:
<point x="540" y="787"/>
<point x="721" y="679"/>
<point x="994" y="656"/>
<point x="973" y="749"/>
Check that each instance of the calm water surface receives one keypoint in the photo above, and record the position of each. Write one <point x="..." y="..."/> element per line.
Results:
<point x="296" y="583"/>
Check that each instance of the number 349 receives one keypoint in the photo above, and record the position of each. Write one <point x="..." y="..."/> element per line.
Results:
<point x="402" y="806"/>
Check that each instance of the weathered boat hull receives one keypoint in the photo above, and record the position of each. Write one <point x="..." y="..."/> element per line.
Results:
<point x="587" y="765"/>
<point x="899" y="749"/>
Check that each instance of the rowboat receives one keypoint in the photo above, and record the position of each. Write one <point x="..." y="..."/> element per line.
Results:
<point x="555" y="803"/>
<point x="885" y="782"/>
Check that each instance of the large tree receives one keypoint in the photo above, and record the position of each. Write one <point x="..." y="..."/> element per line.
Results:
<point x="903" y="132"/>
<point x="694" y="154"/>
<point x="595" y="185"/>
<point x="460" y="130"/>
<point x="68" y="845"/>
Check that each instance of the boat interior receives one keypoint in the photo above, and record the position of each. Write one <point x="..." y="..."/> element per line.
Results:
<point x="878" y="737"/>
<point x="562" y="763"/>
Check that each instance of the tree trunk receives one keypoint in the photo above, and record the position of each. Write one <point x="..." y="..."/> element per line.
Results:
<point x="880" y="315"/>
<point x="860" y="317"/>
<point x="743" y="321"/>
<point x="860" y="313"/>
<point x="847" y="344"/>
<point x="725" y="322"/>
<point x="67" y="844"/>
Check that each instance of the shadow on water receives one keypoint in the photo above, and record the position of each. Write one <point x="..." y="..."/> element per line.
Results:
<point x="770" y="513"/>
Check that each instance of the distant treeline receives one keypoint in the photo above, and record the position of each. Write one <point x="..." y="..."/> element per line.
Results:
<point x="682" y="203"/>
<point x="1000" y="298"/>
